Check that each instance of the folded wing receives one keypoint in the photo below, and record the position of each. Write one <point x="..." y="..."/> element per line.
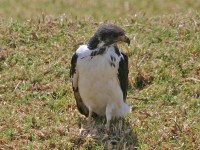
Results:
<point x="123" y="74"/>
<point x="74" y="76"/>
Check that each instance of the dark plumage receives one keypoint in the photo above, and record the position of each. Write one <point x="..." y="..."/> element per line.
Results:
<point x="123" y="75"/>
<point x="108" y="34"/>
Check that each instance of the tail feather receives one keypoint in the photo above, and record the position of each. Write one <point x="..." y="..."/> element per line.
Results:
<point x="123" y="111"/>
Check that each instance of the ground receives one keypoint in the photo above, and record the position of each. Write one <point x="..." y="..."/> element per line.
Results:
<point x="37" y="106"/>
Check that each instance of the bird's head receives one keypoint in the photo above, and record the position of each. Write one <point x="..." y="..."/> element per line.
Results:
<point x="107" y="35"/>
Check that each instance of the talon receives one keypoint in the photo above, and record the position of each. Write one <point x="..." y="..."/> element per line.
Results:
<point x="89" y="118"/>
<point x="107" y="128"/>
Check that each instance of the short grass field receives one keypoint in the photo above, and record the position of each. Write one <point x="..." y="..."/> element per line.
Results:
<point x="37" y="106"/>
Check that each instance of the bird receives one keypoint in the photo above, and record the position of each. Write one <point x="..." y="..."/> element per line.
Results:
<point x="99" y="75"/>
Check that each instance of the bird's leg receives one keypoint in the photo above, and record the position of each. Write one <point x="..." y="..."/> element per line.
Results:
<point x="108" y="116"/>
<point x="90" y="114"/>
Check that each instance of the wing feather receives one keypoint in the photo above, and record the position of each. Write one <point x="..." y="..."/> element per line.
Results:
<point x="123" y="75"/>
<point x="74" y="76"/>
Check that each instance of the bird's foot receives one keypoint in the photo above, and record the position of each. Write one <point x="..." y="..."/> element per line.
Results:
<point x="90" y="118"/>
<point x="107" y="126"/>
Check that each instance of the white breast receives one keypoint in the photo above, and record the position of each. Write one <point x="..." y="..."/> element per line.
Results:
<point x="98" y="82"/>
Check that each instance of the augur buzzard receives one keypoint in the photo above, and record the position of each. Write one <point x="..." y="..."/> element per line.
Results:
<point x="99" y="73"/>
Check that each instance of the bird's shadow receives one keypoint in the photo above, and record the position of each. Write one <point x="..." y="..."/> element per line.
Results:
<point x="120" y="136"/>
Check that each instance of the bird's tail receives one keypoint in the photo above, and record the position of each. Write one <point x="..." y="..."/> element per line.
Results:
<point x="125" y="109"/>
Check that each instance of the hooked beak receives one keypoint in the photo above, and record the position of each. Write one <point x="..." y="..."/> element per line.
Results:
<point x="125" y="39"/>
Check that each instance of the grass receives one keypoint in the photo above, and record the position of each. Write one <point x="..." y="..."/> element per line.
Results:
<point x="37" y="107"/>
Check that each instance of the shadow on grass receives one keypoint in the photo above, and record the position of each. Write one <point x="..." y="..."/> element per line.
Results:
<point x="92" y="134"/>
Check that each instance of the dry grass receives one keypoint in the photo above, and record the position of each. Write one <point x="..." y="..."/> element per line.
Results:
<point x="37" y="107"/>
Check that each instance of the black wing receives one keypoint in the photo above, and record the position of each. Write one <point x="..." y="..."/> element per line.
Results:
<point x="74" y="76"/>
<point x="123" y="75"/>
